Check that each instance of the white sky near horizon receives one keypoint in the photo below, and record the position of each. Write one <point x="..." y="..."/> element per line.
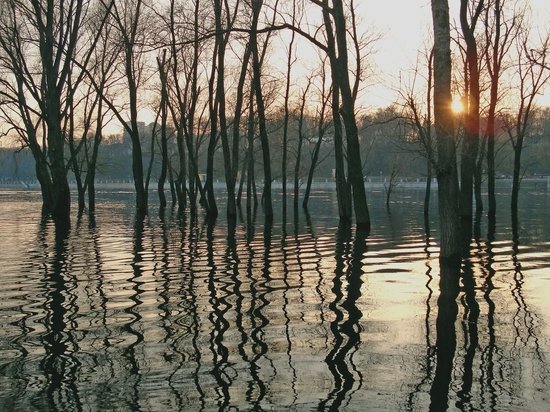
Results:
<point x="405" y="28"/>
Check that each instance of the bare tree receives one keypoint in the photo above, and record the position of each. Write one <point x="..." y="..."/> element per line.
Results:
<point x="500" y="33"/>
<point x="129" y="23"/>
<point x="103" y="58"/>
<point x="291" y="59"/>
<point x="392" y="182"/>
<point x="421" y="121"/>
<point x="301" y="138"/>
<point x="470" y="11"/>
<point x="260" y="108"/>
<point x="163" y="73"/>
<point x="185" y="97"/>
<point x="322" y="125"/>
<point x="533" y="74"/>
<point x="40" y="43"/>
<point x="445" y="137"/>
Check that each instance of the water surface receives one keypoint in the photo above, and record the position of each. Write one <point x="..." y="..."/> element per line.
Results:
<point x="170" y="313"/>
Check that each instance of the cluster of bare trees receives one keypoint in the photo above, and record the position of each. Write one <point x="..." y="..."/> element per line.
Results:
<point x="498" y="70"/>
<point x="69" y="68"/>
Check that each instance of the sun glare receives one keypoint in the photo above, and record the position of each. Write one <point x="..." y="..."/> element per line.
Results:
<point x="457" y="106"/>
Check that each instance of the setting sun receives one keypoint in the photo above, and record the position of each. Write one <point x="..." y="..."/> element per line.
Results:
<point x="457" y="106"/>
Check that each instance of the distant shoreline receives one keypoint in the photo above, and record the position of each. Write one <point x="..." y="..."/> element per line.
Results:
<point x="537" y="183"/>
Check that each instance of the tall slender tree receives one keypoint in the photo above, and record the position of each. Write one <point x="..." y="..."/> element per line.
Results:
<point x="162" y="69"/>
<point x="446" y="169"/>
<point x="533" y="74"/>
<point x="500" y="33"/>
<point x="129" y="25"/>
<point x="260" y="108"/>
<point x="469" y="16"/>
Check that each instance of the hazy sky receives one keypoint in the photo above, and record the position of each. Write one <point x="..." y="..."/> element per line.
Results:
<point x="405" y="26"/>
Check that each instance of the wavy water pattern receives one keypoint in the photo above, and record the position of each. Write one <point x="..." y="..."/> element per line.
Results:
<point x="172" y="313"/>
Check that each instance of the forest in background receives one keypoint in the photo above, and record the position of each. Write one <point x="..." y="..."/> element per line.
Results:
<point x="385" y="149"/>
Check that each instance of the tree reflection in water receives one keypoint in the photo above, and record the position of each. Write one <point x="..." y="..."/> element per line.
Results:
<point x="478" y="375"/>
<point x="174" y="312"/>
<point x="59" y="364"/>
<point x="447" y="310"/>
<point x="345" y="327"/>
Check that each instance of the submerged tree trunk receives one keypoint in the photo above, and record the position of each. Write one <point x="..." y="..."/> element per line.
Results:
<point x="347" y="111"/>
<point x="317" y="148"/>
<point x="137" y="156"/>
<point x="221" y="41"/>
<point x="212" y="210"/>
<point x="299" y="149"/>
<point x="516" y="178"/>
<point x="260" y="111"/>
<point x="428" y="190"/>
<point x="491" y="176"/>
<point x="250" y="178"/>
<point x="285" y="126"/>
<point x="470" y="142"/>
<point x="163" y="132"/>
<point x="478" y="176"/>
<point x="450" y="249"/>
<point x="494" y="57"/>
<point x="92" y="158"/>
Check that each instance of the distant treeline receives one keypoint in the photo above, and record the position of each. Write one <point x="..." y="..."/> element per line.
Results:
<point x="383" y="136"/>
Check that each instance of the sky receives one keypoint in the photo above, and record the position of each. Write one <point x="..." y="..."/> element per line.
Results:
<point x="405" y="26"/>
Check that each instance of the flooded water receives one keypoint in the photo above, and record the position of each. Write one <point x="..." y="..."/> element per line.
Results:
<point x="172" y="314"/>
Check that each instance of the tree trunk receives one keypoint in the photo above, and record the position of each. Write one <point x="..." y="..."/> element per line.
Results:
<point x="355" y="169"/>
<point x="77" y="172"/>
<point x="250" y="184"/>
<point x="221" y="41"/>
<point x="478" y="175"/>
<point x="317" y="148"/>
<point x="427" y="192"/>
<point x="314" y="160"/>
<point x="297" y="165"/>
<point x="137" y="168"/>
<point x="61" y="196"/>
<point x="212" y="210"/>
<point x="285" y="130"/>
<point x="163" y="132"/>
<point x="260" y="110"/>
<point x="494" y="64"/>
<point x="516" y="178"/>
<point x="90" y="176"/>
<point x="343" y="194"/>
<point x="446" y="163"/>
<point x="470" y="142"/>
